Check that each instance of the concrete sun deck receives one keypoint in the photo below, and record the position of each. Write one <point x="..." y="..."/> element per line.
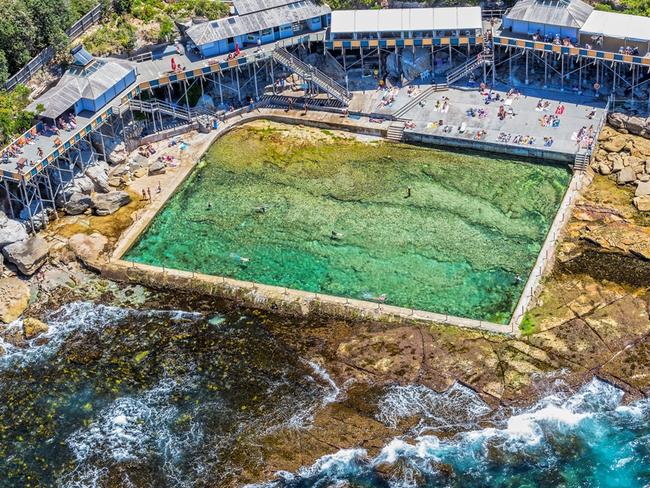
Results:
<point x="524" y="122"/>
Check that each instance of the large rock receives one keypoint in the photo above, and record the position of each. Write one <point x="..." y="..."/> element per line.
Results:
<point x="99" y="176"/>
<point x="33" y="327"/>
<point x="615" y="144"/>
<point x="636" y="125"/>
<point x="622" y="237"/>
<point x="642" y="190"/>
<point x="604" y="168"/>
<point x="14" y="298"/>
<point x="157" y="168"/>
<point x="117" y="155"/>
<point x="626" y="175"/>
<point x="29" y="255"/>
<point x="642" y="203"/>
<point x="77" y="204"/>
<point x="11" y="231"/>
<point x="82" y="184"/>
<point x="109" y="203"/>
<point x="88" y="248"/>
<point x="617" y="120"/>
<point x="138" y="161"/>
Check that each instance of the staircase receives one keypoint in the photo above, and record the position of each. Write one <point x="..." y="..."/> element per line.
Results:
<point x="311" y="73"/>
<point x="582" y="161"/>
<point x="395" y="132"/>
<point x="465" y="69"/>
<point x="420" y="98"/>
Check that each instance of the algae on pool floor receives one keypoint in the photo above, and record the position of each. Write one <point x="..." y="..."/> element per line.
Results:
<point x="264" y="203"/>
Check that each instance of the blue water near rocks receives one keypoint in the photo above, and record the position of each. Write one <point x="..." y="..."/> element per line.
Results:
<point x="586" y="439"/>
<point x="156" y="398"/>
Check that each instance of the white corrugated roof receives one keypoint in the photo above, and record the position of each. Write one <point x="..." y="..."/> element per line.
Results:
<point x="405" y="19"/>
<point x="619" y="26"/>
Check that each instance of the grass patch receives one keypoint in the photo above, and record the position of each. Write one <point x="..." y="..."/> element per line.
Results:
<point x="528" y="326"/>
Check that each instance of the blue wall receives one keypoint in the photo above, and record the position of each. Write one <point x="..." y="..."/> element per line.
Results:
<point x="102" y="100"/>
<point x="222" y="46"/>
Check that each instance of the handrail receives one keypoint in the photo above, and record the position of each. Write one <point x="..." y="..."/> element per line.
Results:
<point x="285" y="57"/>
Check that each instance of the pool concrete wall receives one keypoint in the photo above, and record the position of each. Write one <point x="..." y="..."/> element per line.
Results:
<point x="297" y="302"/>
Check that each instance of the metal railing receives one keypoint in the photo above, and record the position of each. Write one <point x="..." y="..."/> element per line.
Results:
<point x="466" y="68"/>
<point x="47" y="54"/>
<point x="311" y="73"/>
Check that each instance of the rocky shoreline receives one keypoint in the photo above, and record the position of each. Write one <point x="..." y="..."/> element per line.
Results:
<point x="592" y="317"/>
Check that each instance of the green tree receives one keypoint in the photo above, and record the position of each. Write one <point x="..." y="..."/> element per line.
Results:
<point x="166" y="33"/>
<point x="4" y="68"/>
<point x="122" y="6"/>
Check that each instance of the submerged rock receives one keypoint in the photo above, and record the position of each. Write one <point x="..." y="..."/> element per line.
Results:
<point x="109" y="203"/>
<point x="29" y="255"/>
<point x="14" y="298"/>
<point x="33" y="327"/>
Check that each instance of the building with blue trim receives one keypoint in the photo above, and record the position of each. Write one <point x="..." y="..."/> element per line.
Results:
<point x="87" y="86"/>
<point x="257" y="21"/>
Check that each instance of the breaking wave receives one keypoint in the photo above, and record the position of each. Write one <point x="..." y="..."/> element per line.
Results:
<point x="582" y="439"/>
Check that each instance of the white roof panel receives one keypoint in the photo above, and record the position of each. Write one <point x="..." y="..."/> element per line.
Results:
<point x="619" y="26"/>
<point x="390" y="20"/>
<point x="343" y="20"/>
<point x="398" y="20"/>
<point x="421" y="19"/>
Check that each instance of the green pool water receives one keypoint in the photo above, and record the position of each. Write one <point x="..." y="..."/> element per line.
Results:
<point x="472" y="225"/>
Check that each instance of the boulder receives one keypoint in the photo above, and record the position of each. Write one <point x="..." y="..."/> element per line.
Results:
<point x="138" y="161"/>
<point x="109" y="203"/>
<point x="157" y="168"/>
<point x="119" y="171"/>
<point x="28" y="256"/>
<point x="117" y="155"/>
<point x="615" y="144"/>
<point x="11" y="231"/>
<point x="77" y="204"/>
<point x="115" y="181"/>
<point x="33" y="327"/>
<point x="14" y="298"/>
<point x="643" y="177"/>
<point x="604" y="168"/>
<point x="626" y="175"/>
<point x="642" y="190"/>
<point x="617" y="165"/>
<point x="99" y="176"/>
<point x="642" y="203"/>
<point x="636" y="125"/>
<point x="140" y="172"/>
<point x="88" y="248"/>
<point x="83" y="184"/>
<point x="617" y="120"/>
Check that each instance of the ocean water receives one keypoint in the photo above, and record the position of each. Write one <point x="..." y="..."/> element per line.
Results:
<point x="118" y="397"/>
<point x="264" y="202"/>
<point x="584" y="439"/>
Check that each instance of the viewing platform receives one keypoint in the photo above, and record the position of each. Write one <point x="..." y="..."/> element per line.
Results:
<point x="151" y="73"/>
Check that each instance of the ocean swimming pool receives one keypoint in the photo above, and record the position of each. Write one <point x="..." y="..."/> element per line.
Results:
<point x="313" y="210"/>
